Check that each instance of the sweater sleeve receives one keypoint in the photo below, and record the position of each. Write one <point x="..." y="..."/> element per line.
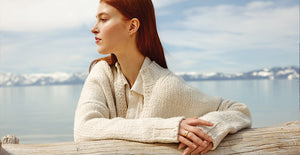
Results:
<point x="95" y="118"/>
<point x="229" y="118"/>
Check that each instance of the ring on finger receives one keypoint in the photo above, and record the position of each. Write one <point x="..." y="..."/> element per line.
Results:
<point x="186" y="133"/>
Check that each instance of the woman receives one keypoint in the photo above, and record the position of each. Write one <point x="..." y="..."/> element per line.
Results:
<point x="131" y="95"/>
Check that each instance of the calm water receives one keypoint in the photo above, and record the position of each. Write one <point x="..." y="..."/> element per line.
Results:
<point x="45" y="114"/>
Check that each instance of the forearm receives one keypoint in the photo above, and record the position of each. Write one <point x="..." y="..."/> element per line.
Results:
<point x="142" y="130"/>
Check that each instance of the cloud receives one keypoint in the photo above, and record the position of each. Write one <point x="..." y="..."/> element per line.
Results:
<point x="194" y="61"/>
<point x="256" y="25"/>
<point x="46" y="35"/>
<point x="263" y="28"/>
<point x="44" y="15"/>
<point x="47" y="52"/>
<point x="164" y="3"/>
<point x="259" y="5"/>
<point x="50" y="36"/>
<point x="41" y="15"/>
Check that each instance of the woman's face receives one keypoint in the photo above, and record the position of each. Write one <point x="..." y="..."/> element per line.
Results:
<point x="111" y="30"/>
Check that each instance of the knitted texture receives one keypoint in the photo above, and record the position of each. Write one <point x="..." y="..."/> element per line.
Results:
<point x="102" y="107"/>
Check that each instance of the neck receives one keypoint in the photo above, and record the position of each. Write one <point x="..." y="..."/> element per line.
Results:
<point x="131" y="62"/>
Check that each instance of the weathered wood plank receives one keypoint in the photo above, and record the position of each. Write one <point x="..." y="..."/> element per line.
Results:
<point x="280" y="139"/>
<point x="10" y="139"/>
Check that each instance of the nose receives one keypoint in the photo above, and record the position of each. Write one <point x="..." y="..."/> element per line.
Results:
<point x="95" y="29"/>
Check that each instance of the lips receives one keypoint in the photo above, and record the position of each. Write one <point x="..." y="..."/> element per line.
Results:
<point x="97" y="40"/>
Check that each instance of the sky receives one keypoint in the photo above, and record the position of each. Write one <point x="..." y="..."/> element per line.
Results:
<point x="229" y="36"/>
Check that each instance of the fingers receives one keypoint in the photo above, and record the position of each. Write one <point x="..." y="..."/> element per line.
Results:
<point x="195" y="134"/>
<point x="200" y="149"/>
<point x="191" y="136"/>
<point x="186" y="142"/>
<point x="201" y="134"/>
<point x="187" y="151"/>
<point x="209" y="147"/>
<point x="195" y="121"/>
<point x="181" y="146"/>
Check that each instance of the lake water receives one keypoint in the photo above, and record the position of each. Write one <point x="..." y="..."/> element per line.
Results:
<point x="44" y="114"/>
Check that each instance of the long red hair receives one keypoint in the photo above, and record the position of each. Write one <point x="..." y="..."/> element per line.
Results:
<point x="147" y="40"/>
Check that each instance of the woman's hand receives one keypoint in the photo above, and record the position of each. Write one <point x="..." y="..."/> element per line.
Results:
<point x="193" y="137"/>
<point x="197" y="150"/>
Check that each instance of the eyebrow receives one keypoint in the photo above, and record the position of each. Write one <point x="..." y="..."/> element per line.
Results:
<point x="100" y="14"/>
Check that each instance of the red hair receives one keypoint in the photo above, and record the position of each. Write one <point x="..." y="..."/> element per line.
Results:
<point x="147" y="40"/>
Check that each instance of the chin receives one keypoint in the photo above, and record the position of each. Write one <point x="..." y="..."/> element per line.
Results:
<point x="102" y="51"/>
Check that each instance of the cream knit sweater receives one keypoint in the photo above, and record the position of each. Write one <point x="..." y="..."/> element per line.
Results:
<point x="102" y="108"/>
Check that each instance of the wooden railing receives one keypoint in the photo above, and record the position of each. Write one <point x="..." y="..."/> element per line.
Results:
<point x="280" y="139"/>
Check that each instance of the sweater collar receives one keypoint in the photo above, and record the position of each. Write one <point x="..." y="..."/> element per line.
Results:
<point x="138" y="85"/>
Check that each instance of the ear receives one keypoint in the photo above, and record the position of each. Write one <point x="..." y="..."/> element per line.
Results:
<point x="134" y="26"/>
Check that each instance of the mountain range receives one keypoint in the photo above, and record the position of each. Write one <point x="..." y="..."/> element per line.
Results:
<point x="59" y="78"/>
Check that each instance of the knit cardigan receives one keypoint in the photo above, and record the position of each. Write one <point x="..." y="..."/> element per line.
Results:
<point x="102" y="107"/>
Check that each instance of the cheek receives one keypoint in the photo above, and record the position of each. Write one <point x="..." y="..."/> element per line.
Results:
<point x="114" y="33"/>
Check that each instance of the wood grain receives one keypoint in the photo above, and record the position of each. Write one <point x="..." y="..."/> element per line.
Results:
<point x="280" y="139"/>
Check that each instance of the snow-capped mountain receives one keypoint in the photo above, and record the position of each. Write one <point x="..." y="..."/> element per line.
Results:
<point x="267" y="73"/>
<point x="8" y="79"/>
